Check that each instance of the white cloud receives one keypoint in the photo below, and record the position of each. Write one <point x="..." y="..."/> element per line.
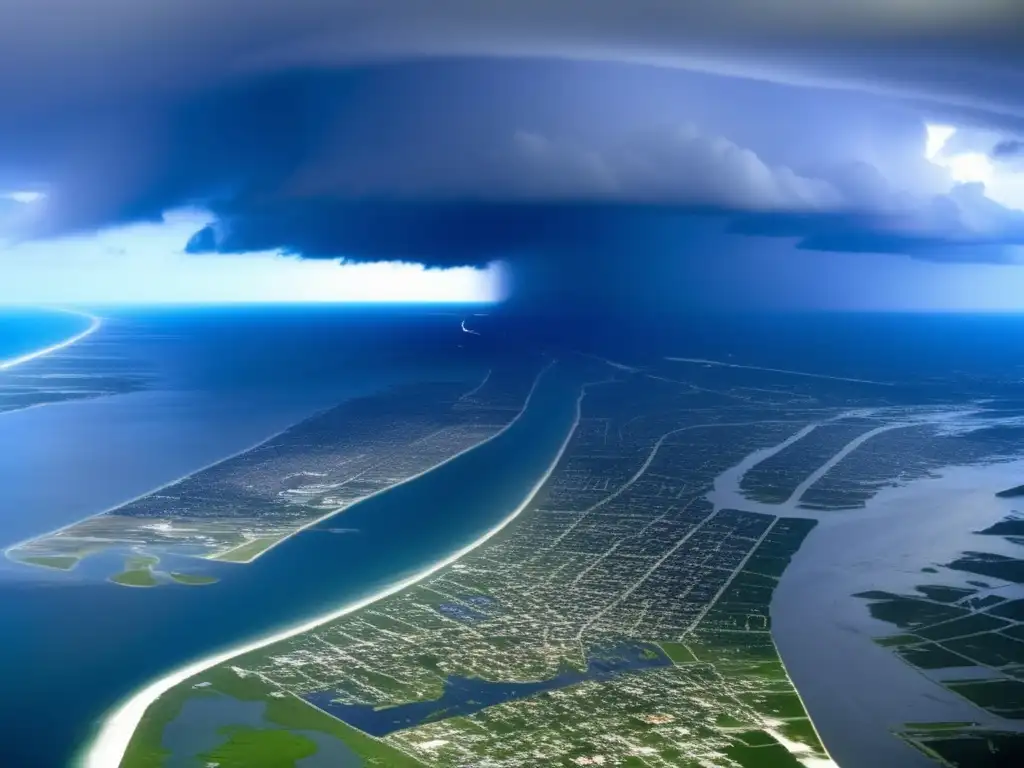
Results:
<point x="145" y="263"/>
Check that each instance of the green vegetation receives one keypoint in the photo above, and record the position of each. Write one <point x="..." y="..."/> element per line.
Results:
<point x="772" y="756"/>
<point x="60" y="562"/>
<point x="138" y="572"/>
<point x="1001" y="697"/>
<point x="723" y="695"/>
<point x="1013" y="609"/>
<point x="970" y="625"/>
<point x="756" y="738"/>
<point x="266" y="748"/>
<point x="897" y="640"/>
<point x="287" y="711"/>
<point x="136" y="578"/>
<point x="145" y="750"/>
<point x="248" y="551"/>
<point x="1016" y="632"/>
<point x="784" y="705"/>
<point x="910" y="613"/>
<point x="802" y="731"/>
<point x="938" y="726"/>
<point x="678" y="652"/>
<point x="970" y="748"/>
<point x="193" y="579"/>
<point x="991" y="649"/>
<point x="932" y="656"/>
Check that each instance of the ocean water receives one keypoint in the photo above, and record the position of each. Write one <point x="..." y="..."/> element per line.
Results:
<point x="24" y="330"/>
<point x="161" y="393"/>
<point x="154" y="395"/>
<point x="79" y="645"/>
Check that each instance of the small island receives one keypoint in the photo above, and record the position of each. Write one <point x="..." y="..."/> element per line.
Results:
<point x="192" y="579"/>
<point x="58" y="562"/>
<point x="138" y="572"/>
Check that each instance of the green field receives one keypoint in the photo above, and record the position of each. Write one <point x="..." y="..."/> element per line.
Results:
<point x="252" y="748"/>
<point x="193" y="579"/>
<point x="678" y="652"/>
<point x="138" y="572"/>
<point x="141" y="577"/>
<point x="248" y="551"/>
<point x="289" y="712"/>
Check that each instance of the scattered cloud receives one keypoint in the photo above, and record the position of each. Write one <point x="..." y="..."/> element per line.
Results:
<point x="1008" y="148"/>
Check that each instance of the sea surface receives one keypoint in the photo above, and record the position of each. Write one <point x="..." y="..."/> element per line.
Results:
<point x="24" y="330"/>
<point x="79" y="645"/>
<point x="154" y="395"/>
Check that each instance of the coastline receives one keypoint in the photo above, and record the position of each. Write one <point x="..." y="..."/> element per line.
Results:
<point x="409" y="479"/>
<point x="930" y="522"/>
<point x="108" y="747"/>
<point x="149" y="492"/>
<point x="94" y="325"/>
<point x="253" y="446"/>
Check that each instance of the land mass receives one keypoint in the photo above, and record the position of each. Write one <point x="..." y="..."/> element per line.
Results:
<point x="624" y="618"/>
<point x="239" y="508"/>
<point x="1010" y="493"/>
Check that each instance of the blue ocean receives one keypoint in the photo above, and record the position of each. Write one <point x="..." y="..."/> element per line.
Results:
<point x="219" y="381"/>
<point x="25" y="330"/>
<point x="158" y="394"/>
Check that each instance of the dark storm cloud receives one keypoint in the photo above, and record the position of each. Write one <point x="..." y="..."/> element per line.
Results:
<point x="411" y="133"/>
<point x="1009" y="148"/>
<point x="960" y="226"/>
<point x="636" y="200"/>
<point x="100" y="50"/>
<point x="127" y="109"/>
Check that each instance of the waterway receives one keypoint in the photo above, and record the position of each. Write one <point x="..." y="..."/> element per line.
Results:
<point x="856" y="691"/>
<point x="465" y="696"/>
<point x="81" y="646"/>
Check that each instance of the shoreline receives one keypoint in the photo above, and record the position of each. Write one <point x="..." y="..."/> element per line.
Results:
<point x="170" y="483"/>
<point x="341" y="510"/>
<point x="108" y="747"/>
<point x="7" y="550"/>
<point x="929" y="521"/>
<point x="94" y="325"/>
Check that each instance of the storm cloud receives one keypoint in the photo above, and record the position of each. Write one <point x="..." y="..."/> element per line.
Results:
<point x="967" y="53"/>
<point x="1009" y="148"/>
<point x="459" y="132"/>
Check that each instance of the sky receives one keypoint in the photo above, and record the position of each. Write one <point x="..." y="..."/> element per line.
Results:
<point x="786" y="155"/>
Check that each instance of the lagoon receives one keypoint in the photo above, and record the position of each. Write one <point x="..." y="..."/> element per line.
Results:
<point x="466" y="696"/>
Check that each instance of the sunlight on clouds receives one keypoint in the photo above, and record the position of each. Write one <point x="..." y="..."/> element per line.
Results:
<point x="938" y="135"/>
<point x="145" y="263"/>
<point x="964" y="167"/>
<point x="1003" y="182"/>
<point x="969" y="167"/>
